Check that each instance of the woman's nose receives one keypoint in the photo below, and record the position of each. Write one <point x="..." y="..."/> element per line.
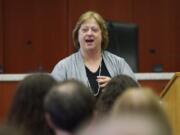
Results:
<point x="89" y="32"/>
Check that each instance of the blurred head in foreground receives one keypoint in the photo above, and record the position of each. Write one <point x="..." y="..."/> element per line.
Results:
<point x="27" y="108"/>
<point x="127" y="124"/>
<point x="68" y="105"/>
<point x="142" y="101"/>
<point x="116" y="86"/>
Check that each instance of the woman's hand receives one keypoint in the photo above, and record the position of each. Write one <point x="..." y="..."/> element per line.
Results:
<point x="103" y="80"/>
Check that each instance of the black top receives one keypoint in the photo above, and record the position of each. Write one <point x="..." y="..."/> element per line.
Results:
<point x="92" y="76"/>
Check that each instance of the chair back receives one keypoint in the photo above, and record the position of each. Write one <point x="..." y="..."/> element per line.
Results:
<point x="123" y="41"/>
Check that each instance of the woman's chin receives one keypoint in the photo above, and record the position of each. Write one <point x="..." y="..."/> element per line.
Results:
<point x="90" y="46"/>
<point x="91" y="49"/>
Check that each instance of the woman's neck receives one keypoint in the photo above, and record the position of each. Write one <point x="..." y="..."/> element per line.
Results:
<point x="91" y="55"/>
<point x="92" y="60"/>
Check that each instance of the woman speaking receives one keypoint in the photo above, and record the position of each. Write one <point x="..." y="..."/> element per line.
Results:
<point x="91" y="64"/>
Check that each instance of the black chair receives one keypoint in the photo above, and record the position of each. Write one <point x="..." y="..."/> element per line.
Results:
<point x="123" y="41"/>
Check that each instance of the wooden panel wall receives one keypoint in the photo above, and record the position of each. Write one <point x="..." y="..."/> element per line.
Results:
<point x="1" y="37"/>
<point x="7" y="92"/>
<point x="158" y="33"/>
<point x="176" y="42"/>
<point x="36" y="34"/>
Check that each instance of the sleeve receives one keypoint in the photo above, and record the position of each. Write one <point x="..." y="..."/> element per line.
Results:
<point x="59" y="72"/>
<point x="127" y="70"/>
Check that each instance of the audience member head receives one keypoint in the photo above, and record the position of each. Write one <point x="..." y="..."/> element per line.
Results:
<point x="138" y="99"/>
<point x="27" y="108"/>
<point x="127" y="124"/>
<point x="116" y="86"/>
<point x="68" y="105"/>
<point x="100" y="21"/>
<point x="141" y="101"/>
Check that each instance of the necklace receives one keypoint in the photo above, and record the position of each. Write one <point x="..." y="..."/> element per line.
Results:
<point x="97" y="93"/>
<point x="99" y="74"/>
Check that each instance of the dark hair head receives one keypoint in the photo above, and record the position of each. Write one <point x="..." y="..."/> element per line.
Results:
<point x="100" y="21"/>
<point x="27" y="106"/>
<point x="69" y="103"/>
<point x="116" y="86"/>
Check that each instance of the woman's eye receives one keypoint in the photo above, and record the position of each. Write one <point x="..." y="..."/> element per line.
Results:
<point x="84" y="29"/>
<point x="95" y="29"/>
